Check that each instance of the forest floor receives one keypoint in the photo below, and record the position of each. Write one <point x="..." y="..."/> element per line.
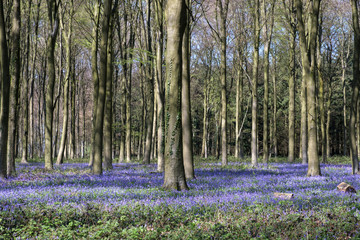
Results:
<point x="233" y="202"/>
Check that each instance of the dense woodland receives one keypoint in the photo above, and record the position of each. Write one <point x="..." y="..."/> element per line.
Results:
<point x="166" y="80"/>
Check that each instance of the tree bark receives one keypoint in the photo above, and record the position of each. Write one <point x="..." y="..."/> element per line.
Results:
<point x="344" y="65"/>
<point x="207" y="80"/>
<point x="150" y="91"/>
<point x="72" y="142"/>
<point x="16" y="61"/>
<point x="187" y="140"/>
<point x="100" y="108"/>
<point x="108" y="119"/>
<point x="33" y="65"/>
<point x="4" y="96"/>
<point x="254" y="131"/>
<point x="159" y="4"/>
<point x="94" y="72"/>
<point x="274" y="137"/>
<point x="321" y="95"/>
<point x="291" y="153"/>
<point x="51" y="44"/>
<point x="355" y="86"/>
<point x="223" y="11"/>
<point x="174" y="177"/>
<point x="308" y="57"/>
<point x="123" y="119"/>
<point x="268" y="38"/>
<point x="68" y="41"/>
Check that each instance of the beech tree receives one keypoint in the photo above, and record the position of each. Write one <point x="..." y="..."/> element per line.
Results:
<point x="16" y="60"/>
<point x="355" y="86"/>
<point x="254" y="94"/>
<point x="187" y="133"/>
<point x="268" y="31"/>
<point x="174" y="175"/>
<point x="94" y="71"/>
<point x="53" y="15"/>
<point x="67" y="34"/>
<point x="100" y="105"/>
<point x="291" y="19"/>
<point x="160" y="89"/>
<point x="308" y="57"/>
<point x="4" y="96"/>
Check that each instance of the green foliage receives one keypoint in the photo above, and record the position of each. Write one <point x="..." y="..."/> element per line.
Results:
<point x="258" y="221"/>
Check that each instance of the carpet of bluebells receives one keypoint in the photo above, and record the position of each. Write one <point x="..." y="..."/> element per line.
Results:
<point x="232" y="202"/>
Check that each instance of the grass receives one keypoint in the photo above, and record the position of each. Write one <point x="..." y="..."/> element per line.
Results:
<point x="232" y="202"/>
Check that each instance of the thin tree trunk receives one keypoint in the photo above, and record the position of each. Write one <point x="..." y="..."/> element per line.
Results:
<point x="204" y="147"/>
<point x="268" y="37"/>
<point x="327" y="131"/>
<point x="72" y="142"/>
<point x="123" y="120"/>
<point x="108" y="105"/>
<point x="274" y="137"/>
<point x="149" y="76"/>
<point x="187" y="140"/>
<point x="4" y="96"/>
<point x="94" y="71"/>
<point x="291" y="153"/>
<point x="355" y="86"/>
<point x="254" y="131"/>
<point x="153" y="137"/>
<point x="321" y="95"/>
<point x="159" y="4"/>
<point x="239" y="102"/>
<point x="33" y="65"/>
<point x="344" y="64"/>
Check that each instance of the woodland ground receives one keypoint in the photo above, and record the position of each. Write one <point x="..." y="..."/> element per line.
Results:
<point x="233" y="202"/>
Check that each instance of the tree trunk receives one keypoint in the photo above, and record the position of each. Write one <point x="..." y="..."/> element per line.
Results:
<point x="254" y="131"/>
<point x="4" y="96"/>
<point x="51" y="44"/>
<point x="268" y="37"/>
<point x="355" y="86"/>
<point x="321" y="96"/>
<point x="274" y="135"/>
<point x="150" y="92"/>
<point x="239" y="97"/>
<point x="72" y="142"/>
<point x="291" y="154"/>
<point x="344" y="59"/>
<point x="33" y="65"/>
<point x="174" y="177"/>
<point x="187" y="140"/>
<point x="159" y="4"/>
<point x="100" y="108"/>
<point x="16" y="61"/>
<point x="327" y="131"/>
<point x="128" y="99"/>
<point x="68" y="41"/>
<point x="223" y="10"/>
<point x="308" y="57"/>
<point x="153" y="137"/>
<point x="204" y="148"/>
<point x="94" y="72"/>
<point x="108" y="105"/>
<point x="123" y="120"/>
